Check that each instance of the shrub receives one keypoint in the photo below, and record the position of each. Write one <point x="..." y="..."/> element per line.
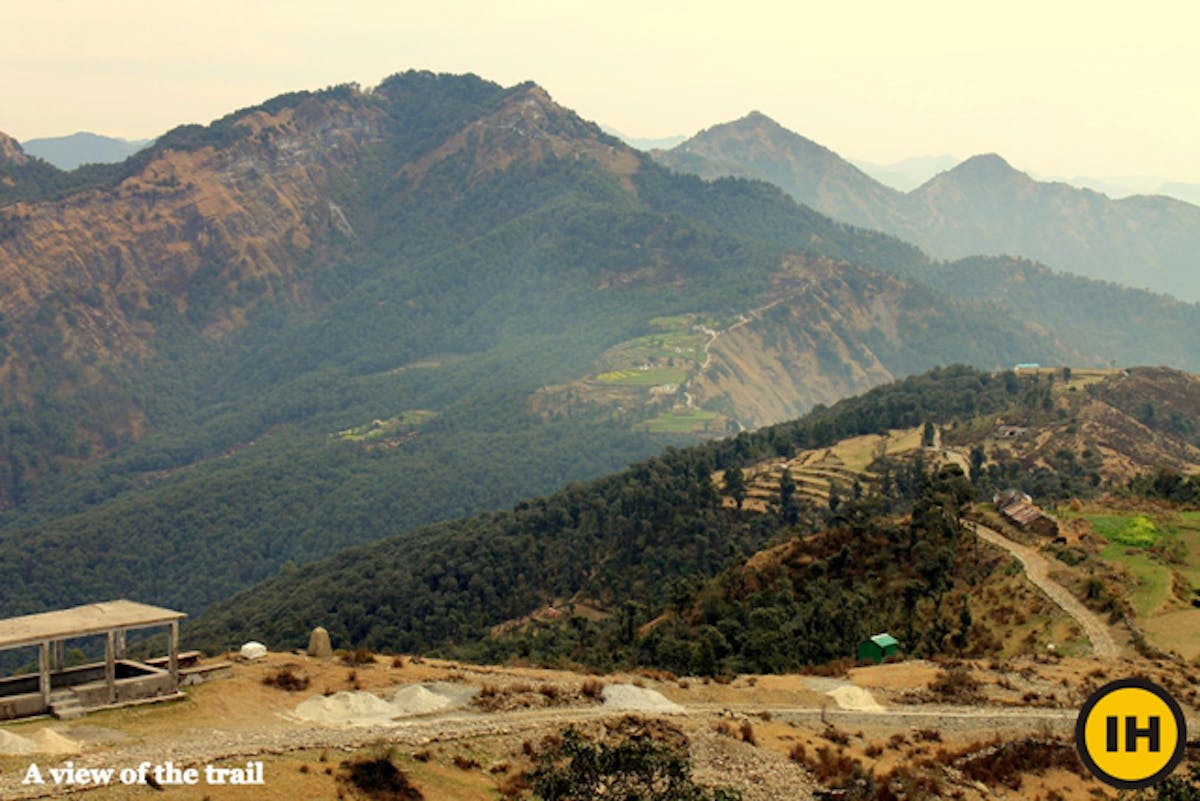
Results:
<point x="646" y="763"/>
<point x="955" y="684"/>
<point x="360" y="656"/>
<point x="286" y="679"/>
<point x="1006" y="763"/>
<point x="378" y="779"/>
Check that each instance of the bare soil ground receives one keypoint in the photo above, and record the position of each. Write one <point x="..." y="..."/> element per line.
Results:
<point x="769" y="736"/>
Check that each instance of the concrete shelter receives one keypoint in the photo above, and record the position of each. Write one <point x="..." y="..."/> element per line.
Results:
<point x="70" y="691"/>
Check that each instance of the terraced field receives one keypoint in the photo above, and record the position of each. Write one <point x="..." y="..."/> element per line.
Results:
<point x="817" y="472"/>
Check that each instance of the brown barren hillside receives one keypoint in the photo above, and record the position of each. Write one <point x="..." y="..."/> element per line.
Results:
<point x="528" y="128"/>
<point x="223" y="221"/>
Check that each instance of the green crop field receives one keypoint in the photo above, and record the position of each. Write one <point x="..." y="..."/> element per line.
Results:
<point x="1139" y="541"/>
<point x="684" y="422"/>
<point x="655" y="376"/>
<point x="378" y="429"/>
<point x="676" y="345"/>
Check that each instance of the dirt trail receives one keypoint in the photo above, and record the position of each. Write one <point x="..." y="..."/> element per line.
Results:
<point x="713" y="336"/>
<point x="1037" y="568"/>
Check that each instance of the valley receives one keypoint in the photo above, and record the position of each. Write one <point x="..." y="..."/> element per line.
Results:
<point x="573" y="454"/>
<point x="475" y="267"/>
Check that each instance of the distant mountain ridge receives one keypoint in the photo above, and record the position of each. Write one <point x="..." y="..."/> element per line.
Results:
<point x="324" y="319"/>
<point x="907" y="174"/>
<point x="983" y="206"/>
<point x="84" y="147"/>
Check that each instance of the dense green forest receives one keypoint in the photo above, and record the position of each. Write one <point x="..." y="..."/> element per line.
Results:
<point x="661" y="553"/>
<point x="863" y="574"/>
<point x="622" y="542"/>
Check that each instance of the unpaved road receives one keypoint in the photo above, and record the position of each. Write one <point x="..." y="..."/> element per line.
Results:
<point x="280" y="736"/>
<point x="1037" y="568"/>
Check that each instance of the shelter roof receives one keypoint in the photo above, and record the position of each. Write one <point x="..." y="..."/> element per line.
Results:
<point x="80" y="621"/>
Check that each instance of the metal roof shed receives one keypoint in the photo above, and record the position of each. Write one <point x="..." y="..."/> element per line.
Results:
<point x="88" y="685"/>
<point x="878" y="648"/>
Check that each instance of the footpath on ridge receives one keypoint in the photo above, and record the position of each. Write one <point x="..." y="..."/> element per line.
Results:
<point x="1037" y="569"/>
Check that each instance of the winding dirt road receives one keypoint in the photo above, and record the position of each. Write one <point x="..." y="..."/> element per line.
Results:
<point x="1037" y="568"/>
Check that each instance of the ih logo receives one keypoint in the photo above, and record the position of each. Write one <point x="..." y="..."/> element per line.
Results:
<point x="1130" y="734"/>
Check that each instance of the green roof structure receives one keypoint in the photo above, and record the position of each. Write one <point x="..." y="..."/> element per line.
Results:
<point x="878" y="648"/>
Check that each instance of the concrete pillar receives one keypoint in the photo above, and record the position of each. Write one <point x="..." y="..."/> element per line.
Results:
<point x="173" y="655"/>
<point x="120" y="643"/>
<point x="44" y="673"/>
<point x="56" y="656"/>
<point x="110" y="667"/>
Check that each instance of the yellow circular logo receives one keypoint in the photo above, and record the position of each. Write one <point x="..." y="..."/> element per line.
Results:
<point x="1130" y="733"/>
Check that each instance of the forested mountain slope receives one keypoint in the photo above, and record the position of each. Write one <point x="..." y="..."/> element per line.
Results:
<point x="343" y="314"/>
<point x="628" y="537"/>
<point x="634" y="552"/>
<point x="983" y="206"/>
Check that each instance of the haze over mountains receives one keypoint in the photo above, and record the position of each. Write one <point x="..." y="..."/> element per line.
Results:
<point x="83" y="147"/>
<point x="982" y="206"/>
<point x="339" y="315"/>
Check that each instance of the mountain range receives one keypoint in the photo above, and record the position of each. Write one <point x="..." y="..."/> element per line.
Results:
<point x="340" y="315"/>
<point x="83" y="147"/>
<point x="982" y="206"/>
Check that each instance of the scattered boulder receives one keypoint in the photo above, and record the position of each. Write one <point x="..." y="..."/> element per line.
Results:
<point x="318" y="644"/>
<point x="253" y="650"/>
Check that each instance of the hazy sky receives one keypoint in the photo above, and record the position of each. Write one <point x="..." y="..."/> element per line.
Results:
<point x="1058" y="88"/>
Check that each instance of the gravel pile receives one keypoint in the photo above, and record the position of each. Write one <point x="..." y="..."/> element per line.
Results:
<point x="850" y="697"/>
<point x="638" y="699"/>
<point x="367" y="709"/>
<point x="416" y="699"/>
<point x="357" y="708"/>
<point x="16" y="744"/>
<point x="50" y="741"/>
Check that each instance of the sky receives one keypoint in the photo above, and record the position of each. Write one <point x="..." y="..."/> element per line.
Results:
<point x="1059" y="88"/>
